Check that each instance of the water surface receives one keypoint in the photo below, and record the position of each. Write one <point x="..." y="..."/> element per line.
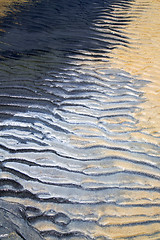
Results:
<point x="79" y="111"/>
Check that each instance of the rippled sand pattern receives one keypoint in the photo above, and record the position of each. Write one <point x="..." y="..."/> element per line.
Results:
<point x="79" y="118"/>
<point x="142" y="60"/>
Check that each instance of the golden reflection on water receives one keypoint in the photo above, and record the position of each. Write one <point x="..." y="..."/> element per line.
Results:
<point x="142" y="59"/>
<point x="5" y="6"/>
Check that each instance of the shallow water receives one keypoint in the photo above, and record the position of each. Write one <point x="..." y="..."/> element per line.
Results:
<point x="79" y="111"/>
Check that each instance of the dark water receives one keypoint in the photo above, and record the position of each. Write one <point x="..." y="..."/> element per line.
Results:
<point x="72" y="152"/>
